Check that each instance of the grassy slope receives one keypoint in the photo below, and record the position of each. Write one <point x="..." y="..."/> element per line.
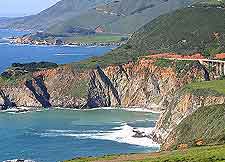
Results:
<point x="209" y="2"/>
<point x="131" y="15"/>
<point x="165" y="32"/>
<point x="195" y="25"/>
<point x="127" y="17"/>
<point x="95" y="39"/>
<point x="63" y="10"/>
<point x="199" y="154"/>
<point x="216" y="87"/>
<point x="207" y="124"/>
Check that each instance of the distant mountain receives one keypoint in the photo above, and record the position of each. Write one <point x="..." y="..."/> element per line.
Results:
<point x="185" y="31"/>
<point x="116" y="16"/>
<point x="61" y="11"/>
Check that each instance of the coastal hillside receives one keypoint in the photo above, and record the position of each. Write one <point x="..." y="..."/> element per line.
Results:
<point x="203" y="154"/>
<point x="204" y="127"/>
<point x="195" y="116"/>
<point x="59" y="12"/>
<point x="183" y="31"/>
<point x="122" y="16"/>
<point x="189" y="93"/>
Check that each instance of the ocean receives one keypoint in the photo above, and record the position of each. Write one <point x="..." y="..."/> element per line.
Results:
<point x="12" y="53"/>
<point x="55" y="135"/>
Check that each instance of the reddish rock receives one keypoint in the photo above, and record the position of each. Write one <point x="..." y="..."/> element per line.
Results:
<point x="220" y="56"/>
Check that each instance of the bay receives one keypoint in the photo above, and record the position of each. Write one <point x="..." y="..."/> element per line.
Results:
<point x="54" y="135"/>
<point x="12" y="53"/>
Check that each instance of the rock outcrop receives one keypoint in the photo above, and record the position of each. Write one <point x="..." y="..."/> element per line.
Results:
<point x="141" y="84"/>
<point x="183" y="105"/>
<point x="6" y="101"/>
<point x="150" y="83"/>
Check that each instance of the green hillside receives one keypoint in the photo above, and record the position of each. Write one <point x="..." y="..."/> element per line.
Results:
<point x="121" y="16"/>
<point x="187" y="30"/>
<point x="167" y="34"/>
<point x="198" y="154"/>
<point x="209" y="2"/>
<point x="206" y="124"/>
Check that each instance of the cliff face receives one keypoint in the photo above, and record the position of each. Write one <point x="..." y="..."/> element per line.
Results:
<point x="140" y="84"/>
<point x="153" y="84"/>
<point x="48" y="88"/>
<point x="182" y="106"/>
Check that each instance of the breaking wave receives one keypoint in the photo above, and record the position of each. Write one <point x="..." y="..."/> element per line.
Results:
<point x="121" y="134"/>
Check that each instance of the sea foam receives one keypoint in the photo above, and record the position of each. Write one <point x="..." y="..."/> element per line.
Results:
<point x="121" y="134"/>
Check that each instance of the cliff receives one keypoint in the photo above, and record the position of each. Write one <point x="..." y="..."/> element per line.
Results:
<point x="148" y="83"/>
<point x="205" y="126"/>
<point x="59" y="87"/>
<point x="183" y="105"/>
<point x="141" y="84"/>
<point x="157" y="84"/>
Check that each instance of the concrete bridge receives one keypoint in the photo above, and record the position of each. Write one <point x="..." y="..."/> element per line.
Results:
<point x="217" y="66"/>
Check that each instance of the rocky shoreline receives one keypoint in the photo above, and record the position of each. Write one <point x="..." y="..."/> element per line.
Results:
<point x="146" y="83"/>
<point x="30" y="40"/>
<point x="19" y="160"/>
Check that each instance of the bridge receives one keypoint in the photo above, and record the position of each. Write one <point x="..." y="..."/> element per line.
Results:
<point x="218" y="66"/>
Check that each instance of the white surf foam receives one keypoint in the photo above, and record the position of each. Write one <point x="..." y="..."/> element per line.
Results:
<point x="121" y="134"/>
<point x="69" y="54"/>
<point x="113" y="108"/>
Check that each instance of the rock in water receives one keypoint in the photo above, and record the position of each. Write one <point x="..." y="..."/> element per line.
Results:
<point x="19" y="160"/>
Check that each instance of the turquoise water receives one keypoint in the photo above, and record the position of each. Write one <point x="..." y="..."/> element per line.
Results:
<point x="27" y="53"/>
<point x="54" y="135"/>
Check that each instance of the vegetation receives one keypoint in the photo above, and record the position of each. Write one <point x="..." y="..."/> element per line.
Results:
<point x="106" y="38"/>
<point x="78" y="89"/>
<point x="184" y="31"/>
<point x="174" y="32"/>
<point x="122" y="56"/>
<point x="113" y="16"/>
<point x="33" y="66"/>
<point x="198" y="154"/>
<point x="18" y="69"/>
<point x="180" y="66"/>
<point x="207" y="88"/>
<point x="209" y="2"/>
<point x="14" y="80"/>
<point x="206" y="124"/>
<point x="163" y="63"/>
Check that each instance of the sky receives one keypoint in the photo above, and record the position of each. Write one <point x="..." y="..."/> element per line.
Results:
<point x="16" y="8"/>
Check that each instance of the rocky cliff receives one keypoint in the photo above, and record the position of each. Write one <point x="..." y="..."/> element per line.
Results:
<point x="183" y="105"/>
<point x="55" y="87"/>
<point x="140" y="84"/>
<point x="155" y="84"/>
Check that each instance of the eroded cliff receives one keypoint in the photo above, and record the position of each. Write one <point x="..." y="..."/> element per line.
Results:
<point x="155" y="84"/>
<point x="147" y="83"/>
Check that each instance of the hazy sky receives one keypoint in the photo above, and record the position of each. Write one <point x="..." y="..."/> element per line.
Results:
<point x="14" y="8"/>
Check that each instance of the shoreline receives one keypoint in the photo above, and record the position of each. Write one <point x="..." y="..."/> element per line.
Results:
<point x="134" y="109"/>
<point x="123" y="133"/>
<point x="65" y="45"/>
<point x="130" y="109"/>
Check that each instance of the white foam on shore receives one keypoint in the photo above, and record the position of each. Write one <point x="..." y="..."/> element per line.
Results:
<point x="134" y="109"/>
<point x="69" y="54"/>
<point x="121" y="134"/>
<point x="21" y="110"/>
